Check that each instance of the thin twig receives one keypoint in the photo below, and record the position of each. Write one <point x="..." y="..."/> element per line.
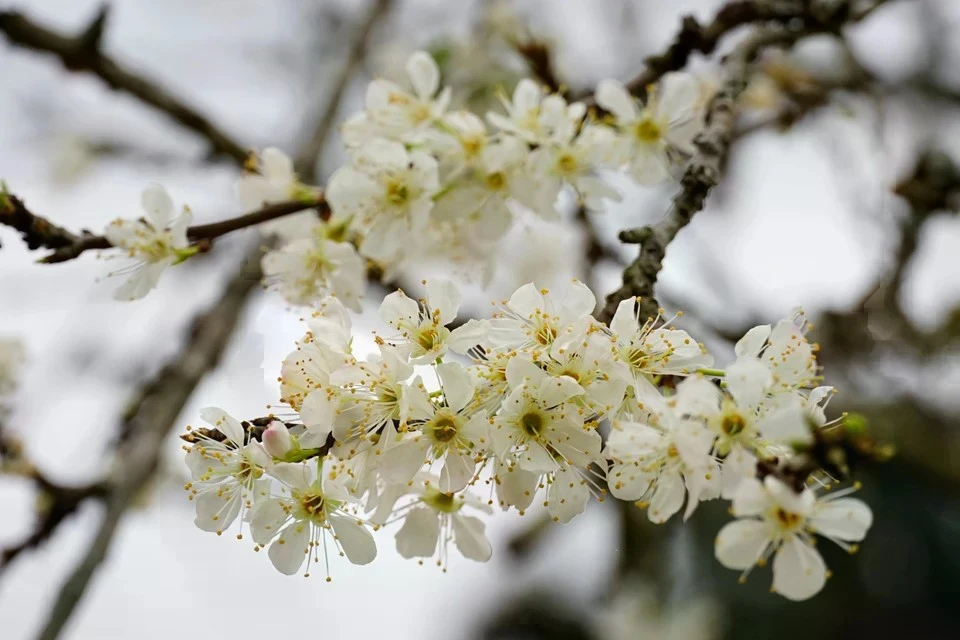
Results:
<point x="307" y="158"/>
<point x="38" y="232"/>
<point x="83" y="52"/>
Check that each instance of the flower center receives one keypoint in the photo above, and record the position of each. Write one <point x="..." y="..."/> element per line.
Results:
<point x="637" y="358"/>
<point x="495" y="181"/>
<point x="571" y="374"/>
<point x="420" y="113"/>
<point x="428" y="338"/>
<point x="672" y="451"/>
<point x="472" y="145"/>
<point x="397" y="193"/>
<point x="786" y="519"/>
<point x="532" y="424"/>
<point x="312" y="503"/>
<point x="445" y="502"/>
<point x="444" y="429"/>
<point x="567" y="163"/>
<point x="545" y="334"/>
<point x="733" y="423"/>
<point x="647" y="130"/>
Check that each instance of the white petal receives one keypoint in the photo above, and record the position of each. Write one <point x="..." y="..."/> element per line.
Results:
<point x="747" y="380"/>
<point x="739" y="465"/>
<point x="667" y="497"/>
<point x="458" y="470"/>
<point x="844" y="519"/>
<point x="400" y="462"/>
<point x="318" y="413"/>
<point x="468" y="335"/>
<point x="216" y="511"/>
<point x="752" y="342"/>
<point x="554" y="391"/>
<point x="567" y="495"/>
<point x="516" y="487"/>
<point x="276" y="166"/>
<point x="424" y="74"/>
<point x="678" y="93"/>
<point x="526" y="96"/>
<point x="457" y="385"/>
<point x="741" y="543"/>
<point x="227" y="425"/>
<point x="418" y="536"/>
<point x="399" y="311"/>
<point x="578" y="302"/>
<point x="158" y="205"/>
<point x="468" y="535"/>
<point x="444" y="297"/>
<point x="786" y="425"/>
<point x="612" y="96"/>
<point x="624" y="324"/>
<point x="751" y="498"/>
<point x="266" y="520"/>
<point x="289" y="550"/>
<point x="142" y="281"/>
<point x="354" y="538"/>
<point x="629" y="481"/>
<point x="798" y="570"/>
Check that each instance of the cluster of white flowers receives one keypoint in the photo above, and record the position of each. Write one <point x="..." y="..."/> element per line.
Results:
<point x="515" y="403"/>
<point x="422" y="180"/>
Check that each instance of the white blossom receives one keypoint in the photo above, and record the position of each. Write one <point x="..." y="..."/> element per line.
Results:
<point x="316" y="266"/>
<point x="434" y="519"/>
<point x="298" y="523"/>
<point x="394" y="113"/>
<point x="536" y="118"/>
<point x="452" y="432"/>
<point x="270" y="178"/>
<point x="388" y="193"/>
<point x="534" y="318"/>
<point x="659" y="463"/>
<point x="652" y="134"/>
<point x="774" y="520"/>
<point x="225" y="474"/>
<point x="156" y="242"/>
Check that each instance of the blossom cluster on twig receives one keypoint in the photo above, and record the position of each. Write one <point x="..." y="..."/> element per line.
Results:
<point x="439" y="426"/>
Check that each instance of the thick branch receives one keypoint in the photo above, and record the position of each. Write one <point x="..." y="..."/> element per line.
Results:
<point x="702" y="174"/>
<point x="138" y="455"/>
<point x="711" y="147"/>
<point x="83" y="52"/>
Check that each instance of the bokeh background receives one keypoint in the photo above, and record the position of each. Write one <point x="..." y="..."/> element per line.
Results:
<point x="806" y="217"/>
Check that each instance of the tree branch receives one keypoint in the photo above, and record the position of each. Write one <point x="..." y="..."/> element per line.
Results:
<point x="83" y="52"/>
<point x="138" y="455"/>
<point x="309" y="155"/>
<point x="711" y="147"/>
<point x="38" y="232"/>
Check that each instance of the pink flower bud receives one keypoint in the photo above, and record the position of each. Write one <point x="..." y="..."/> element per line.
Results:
<point x="276" y="439"/>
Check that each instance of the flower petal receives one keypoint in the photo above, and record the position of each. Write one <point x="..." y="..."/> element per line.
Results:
<point x="418" y="536"/>
<point x="741" y="543"/>
<point x="799" y="572"/>
<point x="354" y="538"/>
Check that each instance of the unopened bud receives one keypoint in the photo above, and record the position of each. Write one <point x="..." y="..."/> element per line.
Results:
<point x="276" y="439"/>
